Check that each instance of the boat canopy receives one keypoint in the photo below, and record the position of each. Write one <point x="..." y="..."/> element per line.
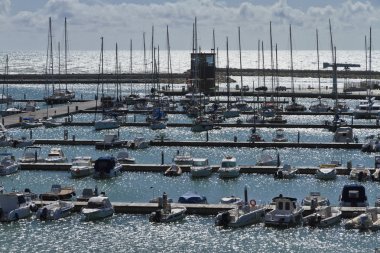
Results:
<point x="192" y="198"/>
<point x="353" y="193"/>
<point x="105" y="163"/>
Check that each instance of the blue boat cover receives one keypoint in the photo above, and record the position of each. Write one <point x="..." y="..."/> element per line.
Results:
<point x="105" y="164"/>
<point x="192" y="198"/>
<point x="353" y="187"/>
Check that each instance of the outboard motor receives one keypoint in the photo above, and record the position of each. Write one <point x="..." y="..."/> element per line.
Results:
<point x="360" y="176"/>
<point x="225" y="218"/>
<point x="156" y="216"/>
<point x="279" y="174"/>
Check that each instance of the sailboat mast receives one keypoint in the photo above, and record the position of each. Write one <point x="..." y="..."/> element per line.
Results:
<point x="145" y="63"/>
<point x="153" y="59"/>
<point x="213" y="40"/>
<point x="228" y="76"/>
<point x="258" y="63"/>
<point x="319" y="76"/>
<point x="271" y="54"/>
<point x="130" y="62"/>
<point x="262" y="52"/>
<point x="241" y="67"/>
<point x="331" y="43"/>
<point x="291" y="58"/>
<point x="366" y="60"/>
<point x="65" y="53"/>
<point x="117" y="73"/>
<point x="370" y="56"/>
<point x="101" y="64"/>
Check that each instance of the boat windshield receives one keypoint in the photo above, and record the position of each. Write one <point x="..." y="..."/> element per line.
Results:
<point x="200" y="163"/>
<point x="95" y="205"/>
<point x="228" y="164"/>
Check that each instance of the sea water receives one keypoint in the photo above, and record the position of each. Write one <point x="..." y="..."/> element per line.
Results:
<point x="134" y="233"/>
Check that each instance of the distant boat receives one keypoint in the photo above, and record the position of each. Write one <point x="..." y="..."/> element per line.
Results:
<point x="192" y="198"/>
<point x="269" y="157"/>
<point x="15" y="206"/>
<point x="173" y="170"/>
<point x="200" y="168"/>
<point x="353" y="195"/>
<point x="370" y="220"/>
<point x="32" y="154"/>
<point x="201" y="124"/>
<point x="287" y="213"/>
<point x="81" y="167"/>
<point x="97" y="208"/>
<point x="285" y="172"/>
<point x="323" y="216"/>
<point x="229" y="168"/>
<point x="123" y="157"/>
<point x="344" y="134"/>
<point x="106" y="124"/>
<point x="55" y="210"/>
<point x="56" y="155"/>
<point x="107" y="167"/>
<point x="109" y="141"/>
<point x="58" y="192"/>
<point x="166" y="213"/>
<point x="8" y="164"/>
<point x="280" y="136"/>
<point x="319" y="106"/>
<point x="315" y="199"/>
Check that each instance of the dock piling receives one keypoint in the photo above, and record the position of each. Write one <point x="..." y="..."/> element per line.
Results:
<point x="30" y="134"/>
<point x="162" y="158"/>
<point x="298" y="137"/>
<point x="207" y="136"/>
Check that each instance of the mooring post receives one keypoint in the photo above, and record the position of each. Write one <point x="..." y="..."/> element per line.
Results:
<point x="298" y="137"/>
<point x="352" y="120"/>
<point x="207" y="136"/>
<point x="2" y="121"/>
<point x="162" y="158"/>
<point x="68" y="110"/>
<point x="24" y="96"/>
<point x="73" y="137"/>
<point x="134" y="117"/>
<point x="235" y="138"/>
<point x="30" y="134"/>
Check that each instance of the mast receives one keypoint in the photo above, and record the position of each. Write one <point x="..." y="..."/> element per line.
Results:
<point x="130" y="62"/>
<point x="228" y="76"/>
<point x="262" y="52"/>
<point x="271" y="54"/>
<point x="145" y="63"/>
<point x="59" y="64"/>
<point x="66" y="53"/>
<point x="331" y="43"/>
<point x="153" y="59"/>
<point x="335" y="85"/>
<point x="101" y="64"/>
<point x="370" y="57"/>
<point x="319" y="76"/>
<point x="241" y="68"/>
<point x="291" y="59"/>
<point x="366" y="60"/>
<point x="213" y="40"/>
<point x="170" y="71"/>
<point x="258" y="63"/>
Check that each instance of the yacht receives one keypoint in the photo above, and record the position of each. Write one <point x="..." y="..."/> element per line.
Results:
<point x="81" y="167"/>
<point x="166" y="213"/>
<point x="367" y="109"/>
<point x="353" y="195"/>
<point x="229" y="168"/>
<point x="286" y="213"/>
<point x="8" y="164"/>
<point x="32" y="154"/>
<point x="15" y="206"/>
<point x="107" y="167"/>
<point x="200" y="168"/>
<point x="97" y="208"/>
<point x="360" y="173"/>
<point x="344" y="134"/>
<point x="55" y="210"/>
<point x="269" y="157"/>
<point x="183" y="158"/>
<point x="106" y="124"/>
<point x="56" y="155"/>
<point x="124" y="158"/>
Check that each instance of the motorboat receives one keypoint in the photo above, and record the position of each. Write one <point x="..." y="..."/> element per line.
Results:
<point x="30" y="122"/>
<point x="369" y="220"/>
<point x="8" y="164"/>
<point x="360" y="173"/>
<point x="276" y="119"/>
<point x="200" y="168"/>
<point x="367" y="109"/>
<point x="285" y="172"/>
<point x="231" y="200"/>
<point x="314" y="199"/>
<point x="269" y="157"/>
<point x="201" y="124"/>
<point x="341" y="107"/>
<point x="59" y="96"/>
<point x="158" y="124"/>
<point x="344" y="134"/>
<point x="166" y="213"/>
<point x="295" y="107"/>
<point x="353" y="195"/>
<point x="124" y="158"/>
<point x="56" y="155"/>
<point x="372" y="144"/>
<point x="81" y="167"/>
<point x="107" y="167"/>
<point x="173" y="170"/>
<point x="183" y="158"/>
<point x="377" y="201"/>
<point x="31" y="106"/>
<point x="229" y="168"/>
<point x="55" y="210"/>
<point x="192" y="198"/>
<point x="286" y="213"/>
<point x="51" y="122"/>
<point x="15" y="206"/>
<point x="279" y="136"/>
<point x="58" y="192"/>
<point x="326" y="173"/>
<point x="324" y="216"/>
<point x="88" y="193"/>
<point x="97" y="208"/>
<point x="109" y="141"/>
<point x="139" y="143"/>
<point x="255" y="137"/>
<point x="32" y="154"/>
<point x="232" y="112"/>
<point x="242" y="215"/>
<point x="319" y="106"/>
<point x="106" y="124"/>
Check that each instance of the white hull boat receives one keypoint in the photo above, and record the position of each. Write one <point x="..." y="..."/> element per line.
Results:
<point x="81" y="167"/>
<point x="325" y="173"/>
<point x="365" y="221"/>
<point x="54" y="211"/>
<point x="15" y="206"/>
<point x="97" y="208"/>
<point x="8" y="164"/>
<point x="323" y="217"/>
<point x="229" y="168"/>
<point x="287" y="213"/>
<point x="56" y="155"/>
<point x="106" y="124"/>
<point x="200" y="168"/>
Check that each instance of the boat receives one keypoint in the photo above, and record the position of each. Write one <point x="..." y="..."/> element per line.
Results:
<point x="285" y="172"/>
<point x="124" y="158"/>
<point x="229" y="168"/>
<point x="377" y="201"/>
<point x="344" y="134"/>
<point x="158" y="124"/>
<point x="192" y="198"/>
<point x="242" y="215"/>
<point x="280" y="136"/>
<point x="15" y="206"/>
<point x="353" y="195"/>
<point x="269" y="157"/>
<point x="107" y="167"/>
<point x="97" y="208"/>
<point x="59" y="96"/>
<point x="55" y="210"/>
<point x="51" y="122"/>
<point x="139" y="143"/>
<point x="87" y="193"/>
<point x="324" y="216"/>
<point x="295" y="107"/>
<point x="360" y="173"/>
<point x="231" y="200"/>
<point x="106" y="124"/>
<point x="56" y="155"/>
<point x="200" y="168"/>
<point x="173" y="170"/>
<point x="109" y="141"/>
<point x="231" y="112"/>
<point x="365" y="221"/>
<point x="255" y="137"/>
<point x="58" y="192"/>
<point x="326" y="173"/>
<point x="276" y="119"/>
<point x="367" y="109"/>
<point x="81" y="167"/>
<point x="31" y="106"/>
<point x="30" y="122"/>
<point x="319" y="106"/>
<point x="201" y="124"/>
<point x="372" y="144"/>
<point x="286" y="213"/>
<point x="314" y="199"/>
<point x="8" y="164"/>
<point x="32" y="154"/>
<point x="166" y="213"/>
<point x="183" y="158"/>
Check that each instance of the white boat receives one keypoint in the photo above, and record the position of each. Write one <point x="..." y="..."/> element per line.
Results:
<point x="323" y="216"/>
<point x="231" y="113"/>
<point x="56" y="155"/>
<point x="8" y="164"/>
<point x="109" y="141"/>
<point x="285" y="172"/>
<point x="55" y="210"/>
<point x="30" y="122"/>
<point x="286" y="213"/>
<point x="88" y="193"/>
<point x="50" y="123"/>
<point x="353" y="195"/>
<point x="107" y="167"/>
<point x="201" y="124"/>
<point x="269" y="157"/>
<point x="15" y="206"/>
<point x="229" y="168"/>
<point x="31" y="106"/>
<point x="32" y="154"/>
<point x="242" y="215"/>
<point x="372" y="144"/>
<point x="280" y="136"/>
<point x="344" y="134"/>
<point x="166" y="213"/>
<point x="97" y="208"/>
<point x="319" y="106"/>
<point x="231" y="200"/>
<point x="106" y="124"/>
<point x="360" y="173"/>
<point x="314" y="199"/>
<point x="365" y="221"/>
<point x="200" y="168"/>
<point x="183" y="158"/>
<point x="81" y="167"/>
<point x="367" y="109"/>
<point x="124" y="158"/>
<point x="139" y="143"/>
<point x="173" y="171"/>
<point x="326" y="173"/>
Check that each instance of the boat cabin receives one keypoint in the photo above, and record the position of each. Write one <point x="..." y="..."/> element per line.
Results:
<point x="200" y="162"/>
<point x="285" y="203"/>
<point x="229" y="162"/>
<point x="105" y="164"/>
<point x="98" y="202"/>
<point x="353" y="195"/>
<point x="11" y="201"/>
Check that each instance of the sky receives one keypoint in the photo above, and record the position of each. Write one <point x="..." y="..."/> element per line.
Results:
<point x="24" y="23"/>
